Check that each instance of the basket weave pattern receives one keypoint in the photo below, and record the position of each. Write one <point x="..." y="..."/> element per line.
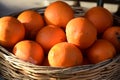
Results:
<point x="12" y="68"/>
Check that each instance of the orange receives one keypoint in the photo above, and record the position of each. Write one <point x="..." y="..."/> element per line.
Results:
<point x="101" y="50"/>
<point x="58" y="13"/>
<point x="65" y="54"/>
<point x="29" y="51"/>
<point x="100" y="17"/>
<point x="112" y="34"/>
<point x="32" y="21"/>
<point x="11" y="31"/>
<point x="81" y="32"/>
<point x="49" y="36"/>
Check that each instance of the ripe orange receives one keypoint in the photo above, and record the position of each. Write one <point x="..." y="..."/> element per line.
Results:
<point x="29" y="51"/>
<point x="100" y="17"/>
<point x="112" y="34"/>
<point x="81" y="32"/>
<point x="49" y="36"/>
<point x="11" y="31"/>
<point x="101" y="50"/>
<point x="32" y="21"/>
<point x="64" y="55"/>
<point x="58" y="13"/>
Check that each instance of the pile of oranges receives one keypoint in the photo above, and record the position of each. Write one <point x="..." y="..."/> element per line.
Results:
<point x="58" y="38"/>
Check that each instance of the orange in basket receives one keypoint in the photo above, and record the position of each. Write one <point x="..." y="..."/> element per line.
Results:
<point x="100" y="17"/>
<point x="58" y="13"/>
<point x="81" y="32"/>
<point x="50" y="35"/>
<point x="32" y="21"/>
<point x="112" y="34"/>
<point x="29" y="51"/>
<point x="65" y="54"/>
<point x="11" y="31"/>
<point x="101" y="50"/>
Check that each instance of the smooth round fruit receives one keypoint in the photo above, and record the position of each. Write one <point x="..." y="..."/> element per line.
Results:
<point x="49" y="36"/>
<point x="29" y="51"/>
<point x="101" y="50"/>
<point x="112" y="34"/>
<point x="58" y="13"/>
<point x="11" y="31"/>
<point x="32" y="21"/>
<point x="81" y="32"/>
<point x="64" y="55"/>
<point x="100" y="17"/>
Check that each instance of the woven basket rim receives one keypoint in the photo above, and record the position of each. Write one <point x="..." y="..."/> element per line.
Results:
<point x="82" y="68"/>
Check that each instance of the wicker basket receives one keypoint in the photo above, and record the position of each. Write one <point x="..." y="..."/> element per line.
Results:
<point x="12" y="68"/>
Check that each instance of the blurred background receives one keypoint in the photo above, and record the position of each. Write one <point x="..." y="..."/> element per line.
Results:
<point x="11" y="6"/>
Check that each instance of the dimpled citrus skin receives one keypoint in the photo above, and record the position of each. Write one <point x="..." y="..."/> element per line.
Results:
<point x="49" y="36"/>
<point x="58" y="13"/>
<point x="33" y="22"/>
<point x="81" y="32"/>
<point x="29" y="51"/>
<point x="100" y="17"/>
<point x="101" y="50"/>
<point x="11" y="31"/>
<point x="65" y="54"/>
<point x="112" y="34"/>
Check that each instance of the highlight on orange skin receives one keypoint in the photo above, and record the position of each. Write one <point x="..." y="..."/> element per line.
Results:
<point x="58" y="13"/>
<point x="33" y="22"/>
<point x="29" y="51"/>
<point x="65" y="54"/>
<point x="49" y="36"/>
<point x="11" y="31"/>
